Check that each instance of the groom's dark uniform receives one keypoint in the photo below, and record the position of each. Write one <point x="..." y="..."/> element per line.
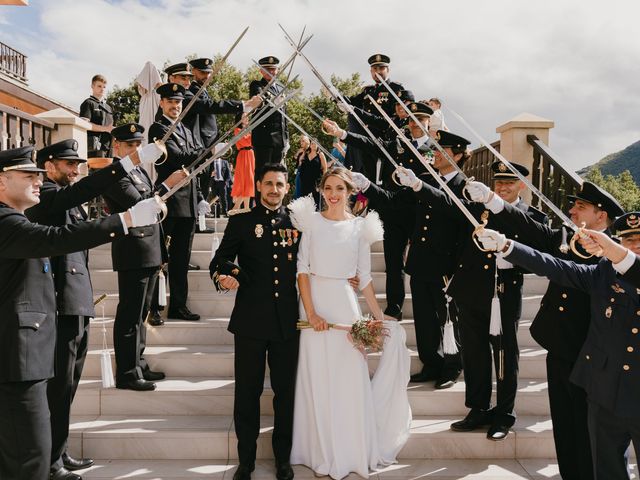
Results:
<point x="263" y="322"/>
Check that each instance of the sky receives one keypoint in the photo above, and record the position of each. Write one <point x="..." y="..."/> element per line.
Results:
<point x="572" y="61"/>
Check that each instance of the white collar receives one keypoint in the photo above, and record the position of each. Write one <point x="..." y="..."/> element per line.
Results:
<point x="421" y="140"/>
<point x="449" y="176"/>
<point x="516" y="201"/>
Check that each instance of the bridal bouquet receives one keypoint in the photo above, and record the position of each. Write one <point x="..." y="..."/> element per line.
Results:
<point x="366" y="334"/>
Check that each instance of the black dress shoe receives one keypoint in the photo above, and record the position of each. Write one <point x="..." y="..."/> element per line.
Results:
<point x="194" y="267"/>
<point x="497" y="432"/>
<point x="424" y="376"/>
<point x="284" y="471"/>
<point x="393" y="311"/>
<point x="183" y="313"/>
<point x="72" y="464"/>
<point x="155" y="320"/>
<point x="139" y="385"/>
<point x="243" y="473"/>
<point x="474" y="420"/>
<point x="152" y="376"/>
<point x="447" y="380"/>
<point x="64" y="474"/>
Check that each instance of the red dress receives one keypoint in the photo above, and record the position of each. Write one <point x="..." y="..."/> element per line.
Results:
<point x="243" y="183"/>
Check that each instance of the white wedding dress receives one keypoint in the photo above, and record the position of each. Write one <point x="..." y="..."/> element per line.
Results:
<point x="343" y="421"/>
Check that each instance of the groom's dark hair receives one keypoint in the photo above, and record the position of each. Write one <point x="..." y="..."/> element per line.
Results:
<point x="272" y="167"/>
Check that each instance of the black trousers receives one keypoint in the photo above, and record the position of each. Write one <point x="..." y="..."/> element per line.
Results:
<point x="220" y="188"/>
<point x="71" y="352"/>
<point x="611" y="435"/>
<point x="25" y="431"/>
<point x="429" y="317"/>
<point x="135" y="291"/>
<point x="569" y="415"/>
<point x="181" y="230"/>
<point x="250" y="357"/>
<point x="479" y="349"/>
<point x="204" y="181"/>
<point x="397" y="231"/>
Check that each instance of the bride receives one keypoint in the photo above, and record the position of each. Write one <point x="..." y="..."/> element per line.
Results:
<point x="343" y="421"/>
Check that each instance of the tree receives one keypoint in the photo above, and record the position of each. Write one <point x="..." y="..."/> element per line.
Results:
<point x="125" y="102"/>
<point x="621" y="186"/>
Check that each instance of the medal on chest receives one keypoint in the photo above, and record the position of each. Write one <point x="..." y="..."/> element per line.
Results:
<point x="259" y="231"/>
<point x="283" y="234"/>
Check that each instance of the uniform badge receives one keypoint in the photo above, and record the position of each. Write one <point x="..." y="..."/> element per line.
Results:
<point x="132" y="129"/>
<point x="74" y="145"/>
<point x="502" y="167"/>
<point x="437" y="136"/>
<point x="45" y="267"/>
<point x="175" y="87"/>
<point x="283" y="234"/>
<point x="414" y="107"/>
<point x="617" y="288"/>
<point x="295" y="235"/>
<point x="633" y="221"/>
<point x="289" y="239"/>
<point x="206" y="62"/>
<point x="378" y="58"/>
<point x="608" y="311"/>
<point x="259" y="230"/>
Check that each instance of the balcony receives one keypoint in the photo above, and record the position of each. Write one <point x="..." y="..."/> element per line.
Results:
<point x="13" y="63"/>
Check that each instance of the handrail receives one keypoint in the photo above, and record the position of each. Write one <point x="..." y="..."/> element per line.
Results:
<point x="18" y="128"/>
<point x="479" y="165"/>
<point x="12" y="62"/>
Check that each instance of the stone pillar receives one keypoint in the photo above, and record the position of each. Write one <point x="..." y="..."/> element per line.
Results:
<point x="513" y="139"/>
<point x="68" y="126"/>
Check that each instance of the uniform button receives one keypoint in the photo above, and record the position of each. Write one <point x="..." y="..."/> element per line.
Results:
<point x="73" y="270"/>
<point x="276" y="282"/>
<point x="427" y="216"/>
<point x="273" y="220"/>
<point x="275" y="269"/>
<point x="113" y="172"/>
<point x="410" y="160"/>
<point x="273" y="232"/>
<point x="612" y="299"/>
<point x="460" y="266"/>
<point x="489" y="255"/>
<point x="629" y="349"/>
<point x="564" y="295"/>
<point x="514" y="282"/>
<point x="626" y="368"/>
<point x="276" y="294"/>
<point x="37" y="325"/>
<point x="516" y="235"/>
<point x="142" y="234"/>
<point x="561" y="309"/>
<point x="423" y="239"/>
<point x="634" y="331"/>
<point x="587" y="357"/>
<point x="275" y="244"/>
<point x="424" y="228"/>
<point x="486" y="267"/>
<point x="275" y="255"/>
<point x="112" y="234"/>
<point x="638" y="312"/>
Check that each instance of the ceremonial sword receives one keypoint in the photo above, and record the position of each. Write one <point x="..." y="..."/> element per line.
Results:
<point x="564" y="248"/>
<point x="443" y="185"/>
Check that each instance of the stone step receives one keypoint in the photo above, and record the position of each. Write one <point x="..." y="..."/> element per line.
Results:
<point x="200" y="437"/>
<point x="216" y="361"/>
<point x="198" y="396"/>
<point x="406" y="469"/>
<point x="214" y="304"/>
<point x="213" y="331"/>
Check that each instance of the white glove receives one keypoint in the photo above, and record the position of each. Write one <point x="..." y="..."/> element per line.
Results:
<point x="408" y="178"/>
<point x="203" y="207"/>
<point x="145" y="212"/>
<point x="478" y="192"/>
<point x="361" y="182"/>
<point x="150" y="153"/>
<point x="492" y="240"/>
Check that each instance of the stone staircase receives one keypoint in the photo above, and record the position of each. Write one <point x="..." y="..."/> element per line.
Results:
<point x="184" y="429"/>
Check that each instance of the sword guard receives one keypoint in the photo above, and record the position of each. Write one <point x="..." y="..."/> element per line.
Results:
<point x="163" y="207"/>
<point x="394" y="176"/>
<point x="162" y="147"/>
<point x="476" y="233"/>
<point x="577" y="236"/>
<point x="465" y="193"/>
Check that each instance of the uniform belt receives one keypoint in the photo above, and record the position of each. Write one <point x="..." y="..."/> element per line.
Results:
<point x="245" y="148"/>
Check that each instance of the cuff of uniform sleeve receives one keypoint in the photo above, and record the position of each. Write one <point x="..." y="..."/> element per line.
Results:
<point x="417" y="186"/>
<point x="127" y="164"/>
<point x="124" y="223"/>
<point x="344" y="135"/>
<point x="509" y="249"/>
<point x="625" y="264"/>
<point x="496" y="204"/>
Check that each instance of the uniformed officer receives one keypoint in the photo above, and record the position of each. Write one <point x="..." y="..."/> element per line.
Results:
<point x="433" y="243"/>
<point x="99" y="113"/>
<point x="185" y="204"/>
<point x="28" y="309"/>
<point x="137" y="259"/>
<point x="561" y="324"/>
<point x="378" y="65"/>
<point x="61" y="199"/>
<point x="477" y="278"/>
<point x="398" y="217"/>
<point x="264" y="317"/>
<point x="270" y="138"/>
<point x="608" y="366"/>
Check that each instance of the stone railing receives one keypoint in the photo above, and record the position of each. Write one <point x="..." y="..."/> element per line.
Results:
<point x="13" y="63"/>
<point x="18" y="129"/>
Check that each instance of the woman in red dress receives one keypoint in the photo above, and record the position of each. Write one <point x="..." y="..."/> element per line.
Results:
<point x="243" y="184"/>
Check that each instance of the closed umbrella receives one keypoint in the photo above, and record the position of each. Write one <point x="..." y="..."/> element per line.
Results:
<point x="147" y="81"/>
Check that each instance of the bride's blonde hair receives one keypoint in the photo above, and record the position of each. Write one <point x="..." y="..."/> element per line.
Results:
<point x="343" y="174"/>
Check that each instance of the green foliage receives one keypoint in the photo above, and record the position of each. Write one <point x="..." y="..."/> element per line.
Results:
<point x="621" y="186"/>
<point x="125" y="102"/>
<point x="618" y="162"/>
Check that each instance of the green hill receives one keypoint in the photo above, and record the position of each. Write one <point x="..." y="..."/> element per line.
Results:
<point x="618" y="162"/>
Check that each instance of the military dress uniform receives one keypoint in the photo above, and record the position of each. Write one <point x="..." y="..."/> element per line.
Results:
<point x="263" y="322"/>
<point x="137" y="259"/>
<point x="59" y="206"/>
<point x="271" y="136"/>
<point x="472" y="287"/>
<point x="608" y="366"/>
<point x="182" y="206"/>
<point x="201" y="119"/>
<point x="399" y="216"/>
<point x="99" y="112"/>
<point x="28" y="330"/>
<point x="560" y="327"/>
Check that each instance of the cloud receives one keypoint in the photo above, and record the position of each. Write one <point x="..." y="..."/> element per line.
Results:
<point x="571" y="61"/>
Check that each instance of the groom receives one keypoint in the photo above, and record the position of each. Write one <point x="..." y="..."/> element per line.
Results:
<point x="264" y="316"/>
